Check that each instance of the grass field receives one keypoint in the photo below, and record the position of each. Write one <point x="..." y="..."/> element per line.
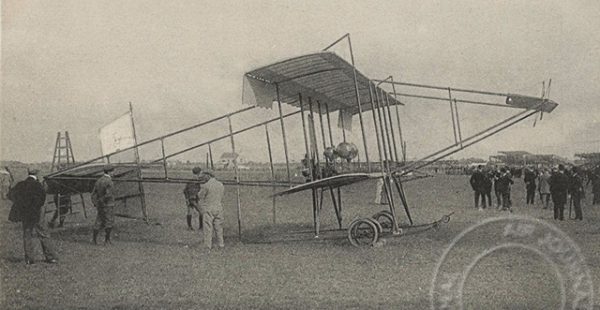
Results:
<point x="164" y="266"/>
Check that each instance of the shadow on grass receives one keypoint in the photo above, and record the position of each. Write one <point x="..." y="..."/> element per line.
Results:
<point x="13" y="259"/>
<point x="283" y="233"/>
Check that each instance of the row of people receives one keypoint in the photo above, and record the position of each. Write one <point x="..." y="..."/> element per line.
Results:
<point x="482" y="183"/>
<point x="205" y="197"/>
<point x="29" y="197"/>
<point x="556" y="185"/>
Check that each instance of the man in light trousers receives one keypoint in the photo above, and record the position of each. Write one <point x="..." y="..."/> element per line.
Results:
<point x="210" y="198"/>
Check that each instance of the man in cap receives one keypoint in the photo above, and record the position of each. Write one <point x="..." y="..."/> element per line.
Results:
<point x="191" y="197"/>
<point x="28" y="197"/>
<point x="104" y="201"/>
<point x="211" y="197"/>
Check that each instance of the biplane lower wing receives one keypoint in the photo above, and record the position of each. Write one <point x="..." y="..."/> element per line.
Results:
<point x="82" y="179"/>
<point x="331" y="182"/>
<point x="79" y="180"/>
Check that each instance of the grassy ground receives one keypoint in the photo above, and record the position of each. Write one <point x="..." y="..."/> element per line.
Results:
<point x="165" y="266"/>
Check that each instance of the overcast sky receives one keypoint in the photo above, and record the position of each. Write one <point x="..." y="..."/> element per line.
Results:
<point x="75" y="65"/>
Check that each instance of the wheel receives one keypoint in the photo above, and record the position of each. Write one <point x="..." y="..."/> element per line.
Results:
<point x="377" y="225"/>
<point x="386" y="212"/>
<point x="386" y="220"/>
<point x="363" y="232"/>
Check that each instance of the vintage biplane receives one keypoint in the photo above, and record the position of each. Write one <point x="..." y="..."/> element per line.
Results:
<point x="317" y="85"/>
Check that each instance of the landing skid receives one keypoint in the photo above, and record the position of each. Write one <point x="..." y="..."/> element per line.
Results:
<point x="368" y="231"/>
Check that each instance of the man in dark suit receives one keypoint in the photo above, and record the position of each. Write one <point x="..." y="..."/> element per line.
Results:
<point x="29" y="197"/>
<point x="530" y="186"/>
<point x="503" y="185"/>
<point x="577" y="193"/>
<point x="559" y="186"/>
<point x="478" y="185"/>
<point x="488" y="176"/>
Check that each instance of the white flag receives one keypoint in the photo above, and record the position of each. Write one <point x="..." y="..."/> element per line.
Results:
<point x="117" y="135"/>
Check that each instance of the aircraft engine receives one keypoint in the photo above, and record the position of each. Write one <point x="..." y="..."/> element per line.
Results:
<point x="347" y="151"/>
<point x="330" y="153"/>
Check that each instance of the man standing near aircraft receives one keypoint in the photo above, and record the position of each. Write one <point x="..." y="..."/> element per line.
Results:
<point x="595" y="180"/>
<point x="104" y="201"/>
<point x="503" y="186"/>
<point x="29" y="197"/>
<point x="488" y="176"/>
<point x="498" y="194"/>
<point x="191" y="196"/>
<point x="544" y="188"/>
<point x="478" y="184"/>
<point x="576" y="190"/>
<point x="5" y="183"/>
<point x="529" y="179"/>
<point x="559" y="185"/>
<point x="211" y="202"/>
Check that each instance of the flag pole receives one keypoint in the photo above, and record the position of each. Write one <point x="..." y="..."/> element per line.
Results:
<point x="139" y="166"/>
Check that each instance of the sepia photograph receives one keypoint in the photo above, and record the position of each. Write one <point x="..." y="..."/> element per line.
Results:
<point x="300" y="154"/>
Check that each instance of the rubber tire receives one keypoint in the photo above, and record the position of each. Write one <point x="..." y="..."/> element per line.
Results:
<point x="352" y="233"/>
<point x="377" y="225"/>
<point x="388" y="218"/>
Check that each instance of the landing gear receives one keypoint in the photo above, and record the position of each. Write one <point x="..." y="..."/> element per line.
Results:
<point x="386" y="220"/>
<point x="364" y="232"/>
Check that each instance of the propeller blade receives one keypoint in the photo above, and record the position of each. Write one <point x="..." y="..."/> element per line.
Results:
<point x="543" y="89"/>
<point x="547" y="94"/>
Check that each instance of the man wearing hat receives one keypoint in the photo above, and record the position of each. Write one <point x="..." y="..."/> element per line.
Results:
<point x="29" y="197"/>
<point x="104" y="201"/>
<point x="577" y="193"/>
<point x="211" y="197"/>
<point x="191" y="197"/>
<point x="559" y="186"/>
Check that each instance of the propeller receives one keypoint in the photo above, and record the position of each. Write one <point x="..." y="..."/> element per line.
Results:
<point x="545" y="96"/>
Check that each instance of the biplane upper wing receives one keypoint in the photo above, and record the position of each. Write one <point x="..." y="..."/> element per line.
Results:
<point x="323" y="76"/>
<point x="331" y="182"/>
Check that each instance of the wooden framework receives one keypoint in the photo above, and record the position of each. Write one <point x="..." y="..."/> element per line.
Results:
<point x="64" y="157"/>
